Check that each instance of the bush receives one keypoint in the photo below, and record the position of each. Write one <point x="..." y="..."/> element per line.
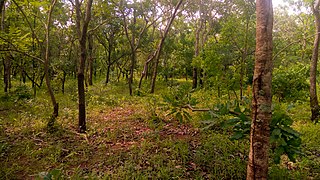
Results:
<point x="290" y="83"/>
<point x="23" y="92"/>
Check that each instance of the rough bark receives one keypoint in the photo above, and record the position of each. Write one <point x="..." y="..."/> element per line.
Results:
<point x="314" y="104"/>
<point x="46" y="67"/>
<point x="82" y="34"/>
<point x="262" y="97"/>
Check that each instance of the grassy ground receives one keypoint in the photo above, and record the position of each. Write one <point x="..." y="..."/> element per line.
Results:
<point x="130" y="137"/>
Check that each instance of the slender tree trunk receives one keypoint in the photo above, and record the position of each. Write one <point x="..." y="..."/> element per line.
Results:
<point x="133" y="47"/>
<point x="6" y="59"/>
<point x="46" y="67"/>
<point x="90" y="48"/>
<point x="7" y="72"/>
<point x="314" y="104"/>
<point x="108" y="74"/>
<point x="109" y="61"/>
<point x="195" y="70"/>
<point x="157" y="57"/>
<point x="130" y="80"/>
<point x="194" y="77"/>
<point x="145" y="68"/>
<point x="82" y="34"/>
<point x="262" y="97"/>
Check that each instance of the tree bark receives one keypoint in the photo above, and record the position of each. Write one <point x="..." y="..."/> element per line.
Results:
<point x="314" y="104"/>
<point x="262" y="96"/>
<point x="82" y="34"/>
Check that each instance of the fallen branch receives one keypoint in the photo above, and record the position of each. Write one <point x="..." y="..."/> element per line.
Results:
<point x="193" y="109"/>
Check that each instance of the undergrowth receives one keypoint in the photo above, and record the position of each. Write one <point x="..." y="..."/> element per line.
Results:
<point x="134" y="137"/>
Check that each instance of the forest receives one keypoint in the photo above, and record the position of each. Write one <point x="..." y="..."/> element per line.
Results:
<point x="159" y="89"/>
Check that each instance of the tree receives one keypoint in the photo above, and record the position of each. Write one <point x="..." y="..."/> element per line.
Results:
<point x="314" y="104"/>
<point x="82" y="35"/>
<point x="262" y="97"/>
<point x="133" y="31"/>
<point x="160" y="45"/>
<point x="47" y="63"/>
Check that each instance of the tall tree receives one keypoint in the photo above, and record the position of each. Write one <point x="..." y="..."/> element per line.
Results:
<point x="160" y="45"/>
<point x="47" y="63"/>
<point x="262" y="97"/>
<point x="6" y="58"/>
<point x="82" y="35"/>
<point x="314" y="104"/>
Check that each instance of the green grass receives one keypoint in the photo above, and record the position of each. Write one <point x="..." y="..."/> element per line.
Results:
<point x="130" y="137"/>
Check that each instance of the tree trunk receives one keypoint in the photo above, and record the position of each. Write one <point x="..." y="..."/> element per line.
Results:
<point x="46" y="68"/>
<point x="157" y="57"/>
<point x="314" y="104"/>
<point x="7" y="72"/>
<point x="108" y="74"/>
<point x="82" y="34"/>
<point x="90" y="48"/>
<point x="194" y="77"/>
<point x="6" y="59"/>
<point x="262" y="97"/>
<point x="130" y="80"/>
<point x="145" y="68"/>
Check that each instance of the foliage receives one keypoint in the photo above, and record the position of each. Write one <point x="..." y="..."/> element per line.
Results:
<point x="22" y="92"/>
<point x="283" y="138"/>
<point x="290" y="83"/>
<point x="176" y="99"/>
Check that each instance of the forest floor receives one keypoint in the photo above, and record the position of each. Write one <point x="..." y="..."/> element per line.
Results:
<point x="131" y="137"/>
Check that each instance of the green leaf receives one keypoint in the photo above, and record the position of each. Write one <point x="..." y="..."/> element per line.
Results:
<point x="277" y="154"/>
<point x="290" y="131"/>
<point x="237" y="136"/>
<point x="231" y="122"/>
<point x="276" y="132"/>
<point x="243" y="117"/>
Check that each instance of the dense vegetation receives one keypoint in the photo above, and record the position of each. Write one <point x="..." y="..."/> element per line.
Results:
<point x="167" y="84"/>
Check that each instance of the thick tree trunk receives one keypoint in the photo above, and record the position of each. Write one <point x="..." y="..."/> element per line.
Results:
<point x="82" y="33"/>
<point x="314" y="104"/>
<point x="262" y="97"/>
